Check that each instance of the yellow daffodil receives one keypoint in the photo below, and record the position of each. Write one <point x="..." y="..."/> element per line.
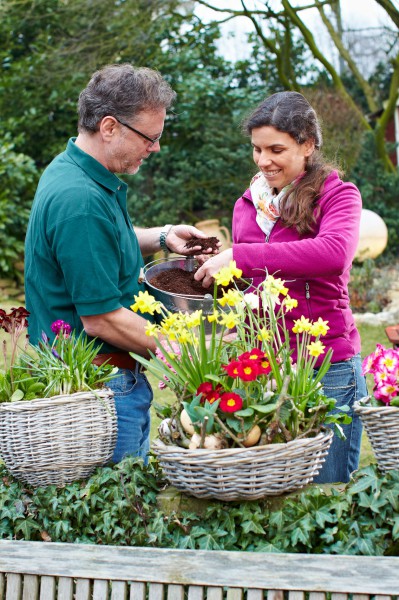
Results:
<point x="214" y="316"/>
<point x="289" y="303"/>
<point x="316" y="348"/>
<point x="229" y="319"/>
<point x="319" y="327"/>
<point x="226" y="275"/>
<point x="145" y="303"/>
<point x="275" y="286"/>
<point x="231" y="298"/>
<point x="151" y="330"/>
<point x="264" y="335"/>
<point x="301" y="325"/>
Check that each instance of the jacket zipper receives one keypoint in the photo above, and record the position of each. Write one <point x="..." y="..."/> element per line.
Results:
<point x="307" y="296"/>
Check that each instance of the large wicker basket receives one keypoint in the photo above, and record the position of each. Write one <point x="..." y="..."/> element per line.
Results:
<point x="382" y="427"/>
<point x="54" y="441"/>
<point x="244" y="473"/>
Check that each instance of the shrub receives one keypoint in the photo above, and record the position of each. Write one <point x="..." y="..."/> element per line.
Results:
<point x="368" y="288"/>
<point x="19" y="178"/>
<point x="379" y="190"/>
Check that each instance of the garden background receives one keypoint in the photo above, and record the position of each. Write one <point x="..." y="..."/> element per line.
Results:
<point x="49" y="49"/>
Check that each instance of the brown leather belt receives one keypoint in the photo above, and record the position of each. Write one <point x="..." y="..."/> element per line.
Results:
<point x="122" y="360"/>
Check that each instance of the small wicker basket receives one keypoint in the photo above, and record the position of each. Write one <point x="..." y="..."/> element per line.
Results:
<point x="244" y="473"/>
<point x="382" y="427"/>
<point x="54" y="441"/>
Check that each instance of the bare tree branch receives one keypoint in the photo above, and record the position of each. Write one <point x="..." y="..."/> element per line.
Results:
<point x="386" y="116"/>
<point x="366" y="88"/>
<point x="308" y="36"/>
<point x="390" y="9"/>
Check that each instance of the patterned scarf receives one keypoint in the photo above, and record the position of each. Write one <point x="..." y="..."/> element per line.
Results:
<point x="266" y="202"/>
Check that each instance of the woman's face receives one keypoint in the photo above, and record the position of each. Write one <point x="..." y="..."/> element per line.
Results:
<point x="280" y="158"/>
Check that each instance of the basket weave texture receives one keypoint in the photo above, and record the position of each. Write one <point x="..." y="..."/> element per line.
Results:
<point x="54" y="441"/>
<point x="382" y="427"/>
<point x="244" y="473"/>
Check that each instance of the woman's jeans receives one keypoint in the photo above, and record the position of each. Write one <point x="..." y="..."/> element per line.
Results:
<point x="133" y="397"/>
<point x="344" y="382"/>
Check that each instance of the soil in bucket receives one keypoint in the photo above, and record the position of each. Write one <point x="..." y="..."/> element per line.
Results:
<point x="179" y="281"/>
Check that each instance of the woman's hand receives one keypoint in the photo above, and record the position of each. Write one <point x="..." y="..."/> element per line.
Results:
<point x="212" y="265"/>
<point x="179" y="235"/>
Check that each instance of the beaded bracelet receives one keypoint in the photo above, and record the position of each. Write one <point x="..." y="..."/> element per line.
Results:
<point x="162" y="237"/>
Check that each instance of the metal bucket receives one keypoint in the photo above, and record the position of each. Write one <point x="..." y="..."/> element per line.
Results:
<point x="177" y="302"/>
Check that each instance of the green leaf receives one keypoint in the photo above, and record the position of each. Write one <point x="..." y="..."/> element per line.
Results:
<point x="27" y="527"/>
<point x="264" y="409"/>
<point x="17" y="395"/>
<point x="248" y="526"/>
<point x="395" y="528"/>
<point x="245" y="412"/>
<point x="298" y="535"/>
<point x="372" y="502"/>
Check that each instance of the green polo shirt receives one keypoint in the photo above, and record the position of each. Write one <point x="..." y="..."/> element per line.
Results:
<point x="82" y="256"/>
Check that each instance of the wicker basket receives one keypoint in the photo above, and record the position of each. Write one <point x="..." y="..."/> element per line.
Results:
<point x="244" y="473"/>
<point x="382" y="427"/>
<point x="54" y="441"/>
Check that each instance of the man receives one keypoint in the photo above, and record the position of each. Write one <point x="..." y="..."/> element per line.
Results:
<point x="83" y="256"/>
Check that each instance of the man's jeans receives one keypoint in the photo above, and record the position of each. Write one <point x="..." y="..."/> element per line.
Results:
<point x="344" y="382"/>
<point x="133" y="397"/>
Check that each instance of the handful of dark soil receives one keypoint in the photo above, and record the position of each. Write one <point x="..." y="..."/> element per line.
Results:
<point x="203" y="243"/>
<point x="179" y="281"/>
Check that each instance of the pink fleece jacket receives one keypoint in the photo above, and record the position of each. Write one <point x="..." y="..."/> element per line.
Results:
<point x="316" y="266"/>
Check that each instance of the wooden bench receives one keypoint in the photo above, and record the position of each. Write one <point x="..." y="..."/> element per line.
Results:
<point x="49" y="571"/>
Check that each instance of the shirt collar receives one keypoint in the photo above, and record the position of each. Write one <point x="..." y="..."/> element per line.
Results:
<point x="93" y="168"/>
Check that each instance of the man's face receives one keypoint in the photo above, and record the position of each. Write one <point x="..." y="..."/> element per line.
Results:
<point x="127" y="150"/>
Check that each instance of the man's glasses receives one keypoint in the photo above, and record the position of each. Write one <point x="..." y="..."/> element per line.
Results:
<point x="143" y="135"/>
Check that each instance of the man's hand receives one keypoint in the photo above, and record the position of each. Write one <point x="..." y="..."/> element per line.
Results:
<point x="179" y="235"/>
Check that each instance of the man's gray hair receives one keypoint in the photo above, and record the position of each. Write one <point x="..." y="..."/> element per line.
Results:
<point x="122" y="91"/>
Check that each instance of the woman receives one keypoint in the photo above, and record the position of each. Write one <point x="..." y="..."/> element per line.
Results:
<point x="300" y="221"/>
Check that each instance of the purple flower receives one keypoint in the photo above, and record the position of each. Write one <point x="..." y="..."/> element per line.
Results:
<point x="45" y="338"/>
<point x="61" y="327"/>
<point x="55" y="353"/>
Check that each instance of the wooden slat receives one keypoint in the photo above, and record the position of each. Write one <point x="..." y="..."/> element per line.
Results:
<point x="175" y="592"/>
<point x="358" y="575"/>
<point x="47" y="588"/>
<point x="296" y="596"/>
<point x="100" y="589"/>
<point x="339" y="596"/>
<point x="14" y="586"/>
<point x="30" y="587"/>
<point x="195" y="592"/>
<point x="82" y="589"/>
<point x="119" y="590"/>
<point x="216" y="593"/>
<point x="65" y="588"/>
<point x="2" y="584"/>
<point x="138" y="591"/>
<point x="317" y="595"/>
<point x="275" y="595"/>
<point x="155" y="591"/>
<point x="253" y="594"/>
<point x="380" y="597"/>
<point x="234" y="594"/>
